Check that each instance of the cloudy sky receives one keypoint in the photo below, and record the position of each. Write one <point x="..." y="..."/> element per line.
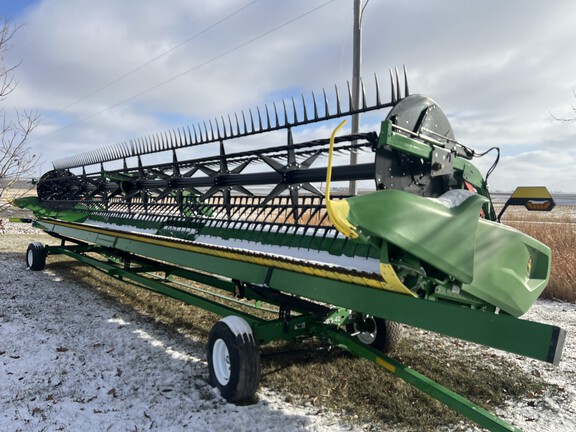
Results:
<point x="101" y="72"/>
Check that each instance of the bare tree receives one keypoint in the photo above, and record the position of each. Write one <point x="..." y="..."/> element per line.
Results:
<point x="17" y="160"/>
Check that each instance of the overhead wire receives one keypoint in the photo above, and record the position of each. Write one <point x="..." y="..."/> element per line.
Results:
<point x="198" y="66"/>
<point x="152" y="60"/>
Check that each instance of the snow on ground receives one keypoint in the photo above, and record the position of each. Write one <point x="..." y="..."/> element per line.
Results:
<point x="555" y="410"/>
<point x="72" y="360"/>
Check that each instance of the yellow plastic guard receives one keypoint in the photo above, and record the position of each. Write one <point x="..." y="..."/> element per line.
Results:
<point x="337" y="210"/>
<point x="391" y="281"/>
<point x="531" y="192"/>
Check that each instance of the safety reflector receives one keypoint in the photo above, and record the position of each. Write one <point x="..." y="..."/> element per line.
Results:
<point x="534" y="198"/>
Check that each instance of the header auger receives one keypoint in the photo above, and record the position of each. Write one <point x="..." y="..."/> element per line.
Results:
<point x="248" y="216"/>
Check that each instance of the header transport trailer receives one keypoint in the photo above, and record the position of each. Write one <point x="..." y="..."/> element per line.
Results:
<point x="239" y="204"/>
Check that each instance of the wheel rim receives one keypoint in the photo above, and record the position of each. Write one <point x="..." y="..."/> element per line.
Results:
<point x="30" y="257"/>
<point x="366" y="336"/>
<point x="221" y="362"/>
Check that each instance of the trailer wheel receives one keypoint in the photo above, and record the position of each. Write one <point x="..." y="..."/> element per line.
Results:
<point x="36" y="256"/>
<point x="378" y="333"/>
<point x="234" y="360"/>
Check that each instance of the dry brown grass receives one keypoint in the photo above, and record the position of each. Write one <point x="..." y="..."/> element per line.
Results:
<point x="558" y="231"/>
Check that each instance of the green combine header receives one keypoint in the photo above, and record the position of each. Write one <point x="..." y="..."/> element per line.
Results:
<point x="257" y="216"/>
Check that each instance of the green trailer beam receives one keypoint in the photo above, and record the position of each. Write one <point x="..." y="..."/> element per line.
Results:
<point x="540" y="341"/>
<point x="454" y="401"/>
<point x="530" y="339"/>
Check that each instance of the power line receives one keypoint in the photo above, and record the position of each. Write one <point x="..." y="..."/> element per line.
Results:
<point x="217" y="57"/>
<point x="127" y="74"/>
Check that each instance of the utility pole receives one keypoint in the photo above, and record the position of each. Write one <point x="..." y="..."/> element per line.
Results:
<point x="356" y="66"/>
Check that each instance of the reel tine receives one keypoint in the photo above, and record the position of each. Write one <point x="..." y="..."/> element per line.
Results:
<point x="378" y="100"/>
<point x="351" y="106"/>
<point x="166" y="141"/>
<point x="220" y="136"/>
<point x="285" y="113"/>
<point x="304" y="107"/>
<point x="211" y="129"/>
<point x="130" y="146"/>
<point x="244" y="122"/>
<point x="268" y="125"/>
<point x="237" y="124"/>
<point x="230" y="125"/>
<point x="338" y="107"/>
<point x="398" y="84"/>
<point x="315" y="106"/>
<point x="108" y="152"/>
<point x="148" y="144"/>
<point x="182" y="135"/>
<point x="326" y="110"/>
<point x="195" y="135"/>
<point x="392" y="87"/>
<point x="154" y="143"/>
<point x="128" y="150"/>
<point x="406" y="90"/>
<point x="259" y="118"/>
<point x="113" y="151"/>
<point x="212" y="135"/>
<point x="206" y="133"/>
<point x="96" y="156"/>
<point x="224" y="131"/>
<point x="251" y="120"/>
<point x="173" y="140"/>
<point x="189" y="135"/>
<point x="160" y="142"/>
<point x="137" y="150"/>
<point x="276" y="115"/>
<point x="200" y="134"/>
<point x="363" y="93"/>
<point x="119" y="150"/>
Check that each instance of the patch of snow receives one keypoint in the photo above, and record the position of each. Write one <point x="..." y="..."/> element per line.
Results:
<point x="453" y="198"/>
<point x="73" y="360"/>
<point x="238" y="326"/>
<point x="369" y="265"/>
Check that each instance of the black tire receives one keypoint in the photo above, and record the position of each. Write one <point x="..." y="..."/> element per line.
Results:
<point x="377" y="333"/>
<point x="36" y="256"/>
<point x="234" y="360"/>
